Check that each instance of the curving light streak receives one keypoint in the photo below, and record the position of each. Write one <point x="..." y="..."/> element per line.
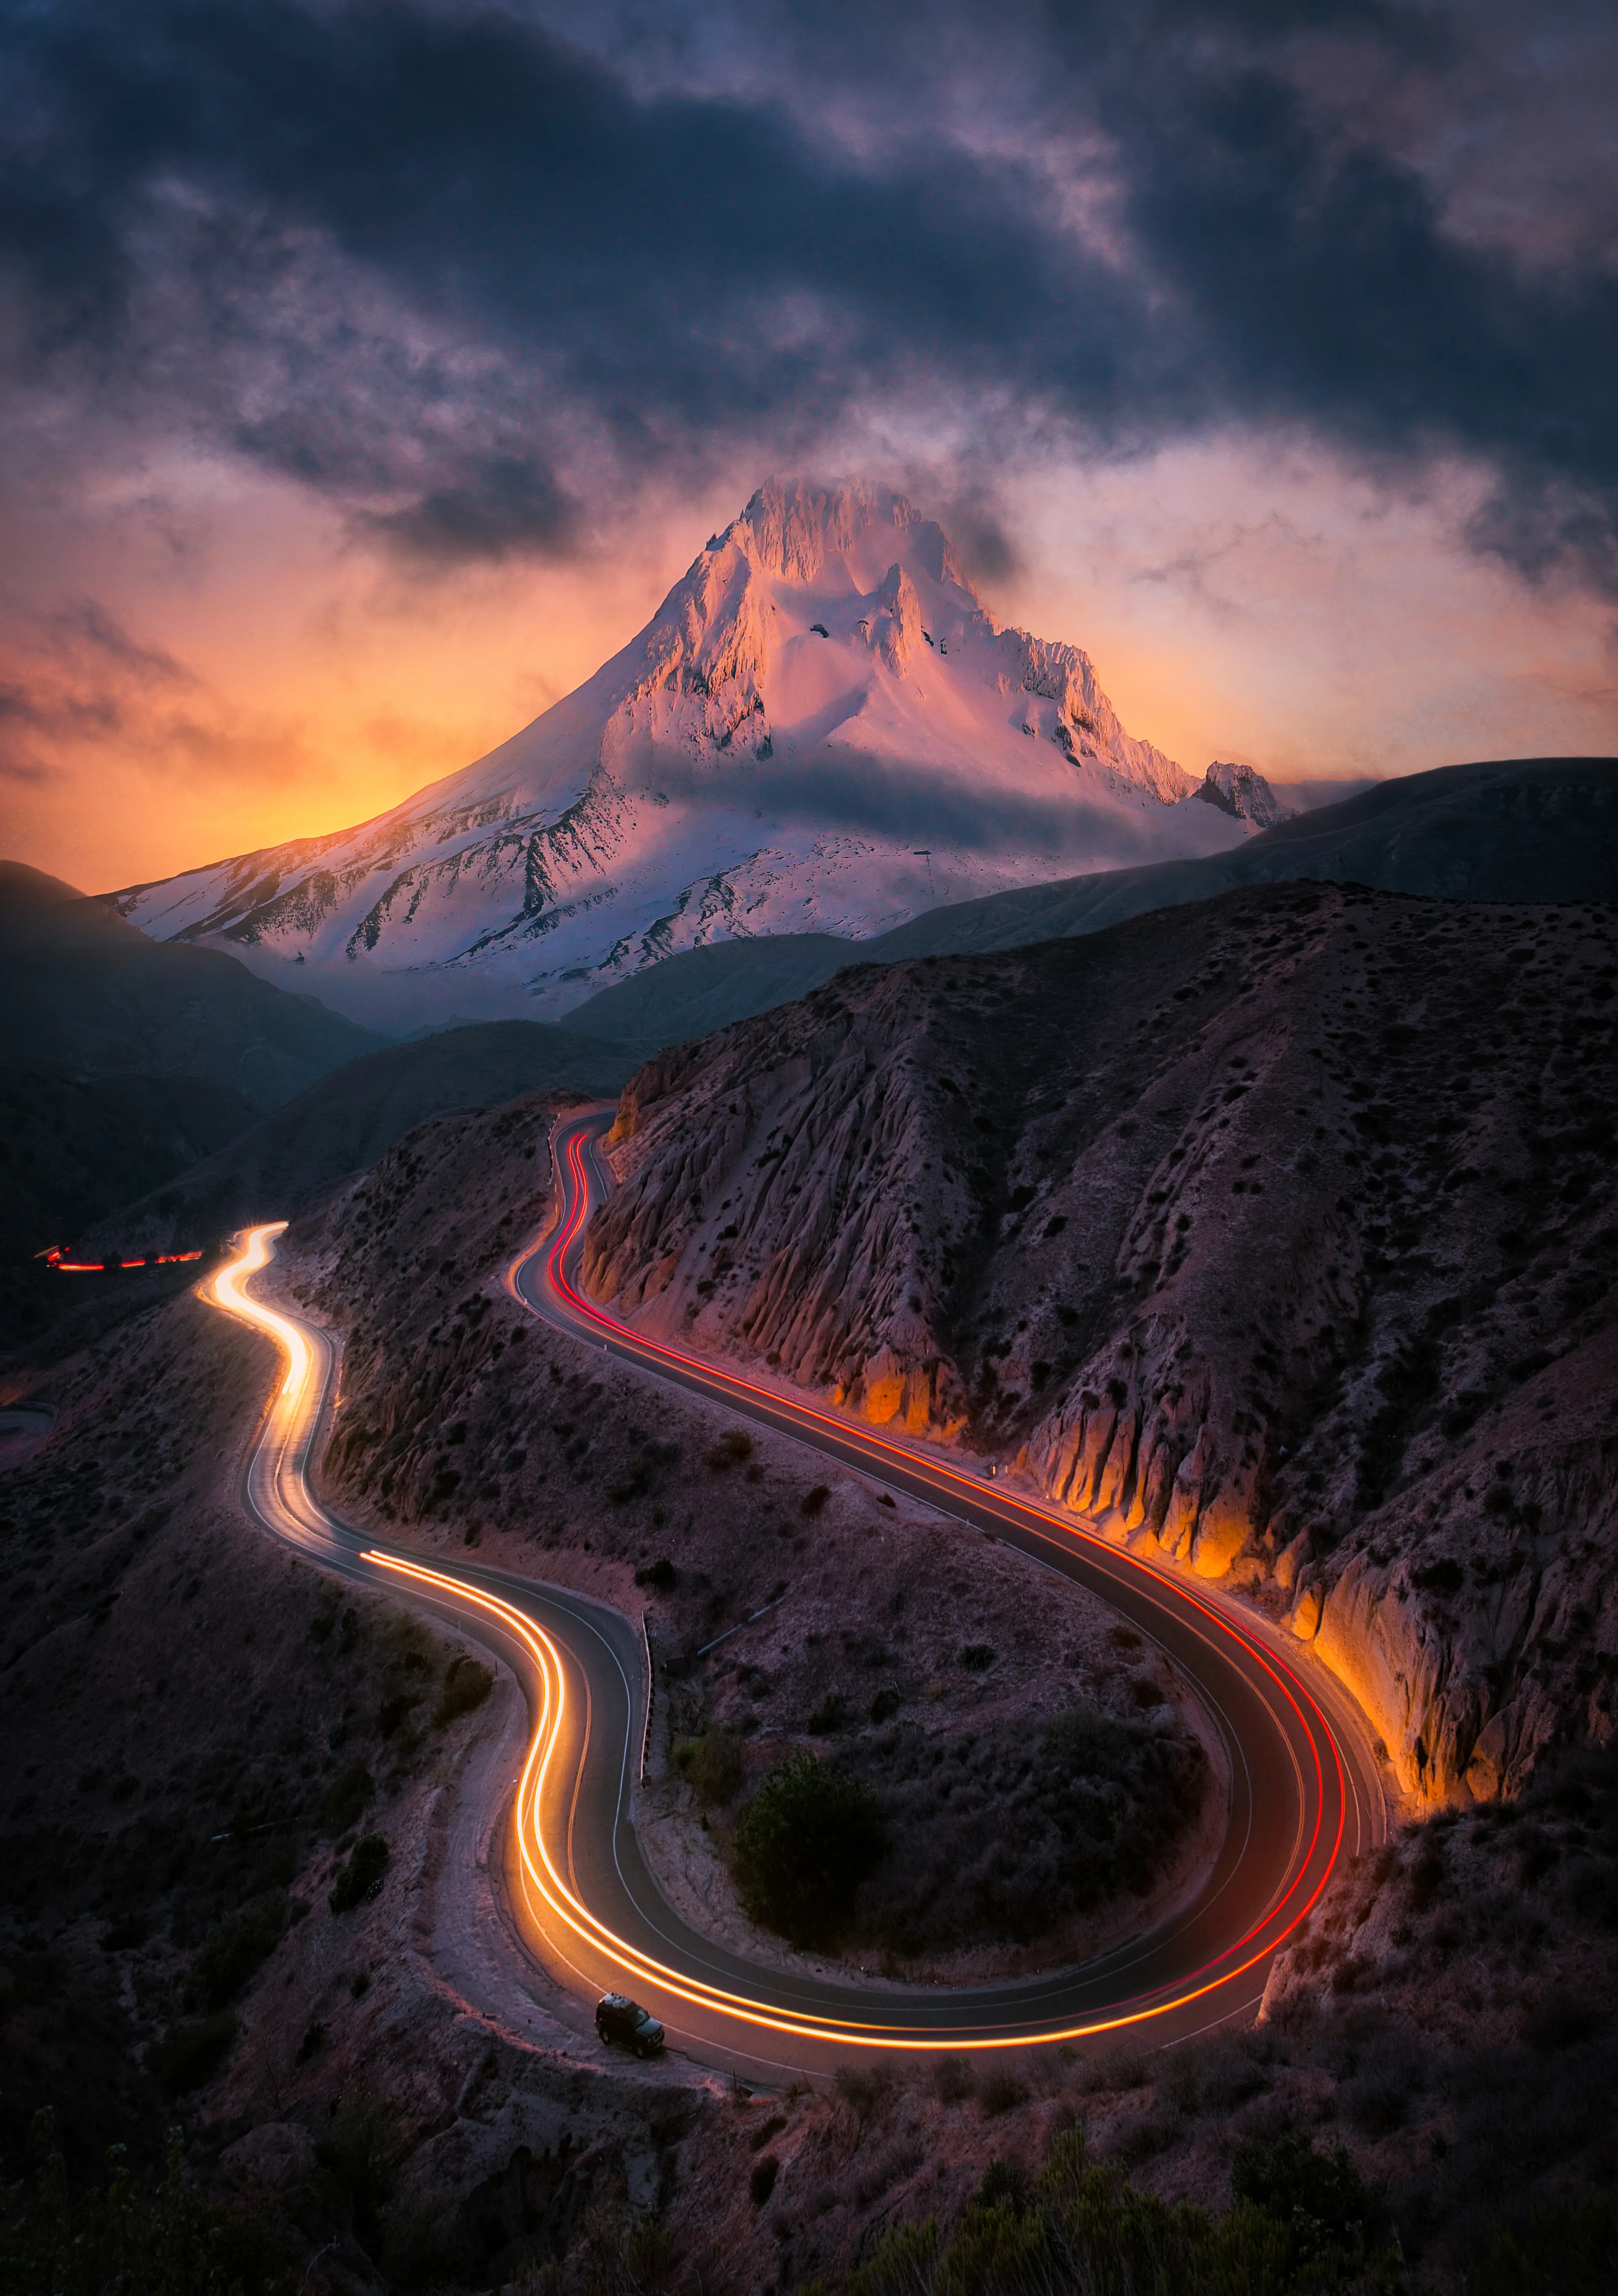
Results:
<point x="557" y="1907"/>
<point x="228" y="1294"/>
<point x="543" y="1872"/>
<point x="1310" y="1715"/>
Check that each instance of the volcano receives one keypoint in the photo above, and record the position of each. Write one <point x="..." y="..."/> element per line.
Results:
<point x="822" y="729"/>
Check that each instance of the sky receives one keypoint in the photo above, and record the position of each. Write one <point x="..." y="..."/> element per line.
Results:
<point x="369" y="369"/>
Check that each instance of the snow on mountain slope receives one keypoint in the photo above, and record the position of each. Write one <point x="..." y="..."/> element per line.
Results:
<point x="821" y="730"/>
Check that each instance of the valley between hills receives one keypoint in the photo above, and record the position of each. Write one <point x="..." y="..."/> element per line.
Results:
<point x="1270" y="1236"/>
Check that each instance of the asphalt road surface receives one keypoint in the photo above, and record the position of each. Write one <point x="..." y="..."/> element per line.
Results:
<point x="1303" y="1792"/>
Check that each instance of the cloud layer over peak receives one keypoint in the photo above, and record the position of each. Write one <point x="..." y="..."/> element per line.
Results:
<point x="470" y="280"/>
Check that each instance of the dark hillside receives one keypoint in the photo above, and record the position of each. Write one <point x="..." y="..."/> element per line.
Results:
<point x="84" y="995"/>
<point x="346" y="1120"/>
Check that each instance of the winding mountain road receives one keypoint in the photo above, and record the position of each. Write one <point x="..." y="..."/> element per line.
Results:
<point x="1304" y="1789"/>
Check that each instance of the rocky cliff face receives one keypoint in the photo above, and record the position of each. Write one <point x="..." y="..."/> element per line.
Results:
<point x="1274" y="1234"/>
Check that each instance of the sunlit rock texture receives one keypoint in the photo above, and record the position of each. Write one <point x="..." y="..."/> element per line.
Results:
<point x="1273" y="1235"/>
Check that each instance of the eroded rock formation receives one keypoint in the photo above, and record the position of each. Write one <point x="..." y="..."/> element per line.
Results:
<point x="1274" y="1233"/>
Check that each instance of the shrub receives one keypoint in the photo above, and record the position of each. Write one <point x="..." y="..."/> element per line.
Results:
<point x="828" y="1717"/>
<point x="1316" y="2196"/>
<point x="814" y="1500"/>
<point x="660" y="1574"/>
<point x="1021" y="1830"/>
<point x="1001" y="2092"/>
<point x="734" y="1448"/>
<point x="346" y="1798"/>
<point x="140" y="2236"/>
<point x="466" y="1685"/>
<point x="761" y="2183"/>
<point x="805" y="1843"/>
<point x="712" y="1765"/>
<point x="1563" y="2248"/>
<point x="235" y="1950"/>
<point x="190" y="2050"/>
<point x="361" y="1876"/>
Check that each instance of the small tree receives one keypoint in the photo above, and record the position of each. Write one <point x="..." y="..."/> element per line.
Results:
<point x="805" y="1843"/>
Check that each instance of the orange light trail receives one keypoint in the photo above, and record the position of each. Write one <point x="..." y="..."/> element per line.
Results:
<point x="228" y="1294"/>
<point x="1308" y="1714"/>
<point x="543" y="1872"/>
<point x="556" y="1907"/>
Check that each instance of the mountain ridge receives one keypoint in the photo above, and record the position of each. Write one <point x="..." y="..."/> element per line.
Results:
<point x="1542" y="829"/>
<point x="819" y="689"/>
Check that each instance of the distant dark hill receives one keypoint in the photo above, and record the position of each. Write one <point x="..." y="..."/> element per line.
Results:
<point x="84" y="995"/>
<point x="70" y="1152"/>
<point x="1536" y="829"/>
<point x="348" y="1118"/>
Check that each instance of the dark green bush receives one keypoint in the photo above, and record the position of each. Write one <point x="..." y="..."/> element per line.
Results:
<point x="830" y="1715"/>
<point x="805" y="1843"/>
<point x="1317" y="2197"/>
<point x="712" y="1764"/>
<point x="190" y="2050"/>
<point x="361" y="1876"/>
<point x="1561" y="2248"/>
<point x="235" y="1950"/>
<point x="466" y="1686"/>
<point x="1080" y="2226"/>
<point x="346" y="1798"/>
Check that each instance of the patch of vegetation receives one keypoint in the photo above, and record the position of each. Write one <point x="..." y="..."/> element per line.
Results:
<point x="994" y="1837"/>
<point x="805" y="1842"/>
<point x="711" y="1765"/>
<point x="235" y="1948"/>
<point x="141" y="2239"/>
<point x="734" y="1448"/>
<point x="467" y="1683"/>
<point x="191" y="2050"/>
<point x="661" y="1575"/>
<point x="1319" y="2197"/>
<point x="360" y="1876"/>
<point x="1083" y="2225"/>
<point x="830" y="1717"/>
<point x="345" y="1798"/>
<point x="813" y="1501"/>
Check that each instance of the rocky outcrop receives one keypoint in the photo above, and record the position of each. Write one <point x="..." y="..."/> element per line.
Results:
<point x="1243" y="792"/>
<point x="1220" y="1224"/>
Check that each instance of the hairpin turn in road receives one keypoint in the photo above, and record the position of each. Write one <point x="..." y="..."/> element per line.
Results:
<point x="1303" y="1790"/>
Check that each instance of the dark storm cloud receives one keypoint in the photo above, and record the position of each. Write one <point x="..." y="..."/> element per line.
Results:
<point x="463" y="278"/>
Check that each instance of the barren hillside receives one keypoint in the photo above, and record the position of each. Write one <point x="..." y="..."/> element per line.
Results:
<point x="1275" y="1232"/>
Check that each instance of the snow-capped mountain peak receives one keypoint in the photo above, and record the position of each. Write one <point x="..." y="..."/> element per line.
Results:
<point x="823" y="728"/>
